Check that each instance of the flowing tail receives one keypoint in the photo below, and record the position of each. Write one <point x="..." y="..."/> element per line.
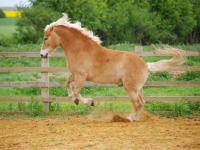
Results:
<point x="179" y="57"/>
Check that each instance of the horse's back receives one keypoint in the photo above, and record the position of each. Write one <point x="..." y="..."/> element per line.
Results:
<point x="113" y="66"/>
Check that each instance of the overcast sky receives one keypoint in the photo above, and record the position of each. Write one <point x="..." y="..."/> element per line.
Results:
<point x="12" y="3"/>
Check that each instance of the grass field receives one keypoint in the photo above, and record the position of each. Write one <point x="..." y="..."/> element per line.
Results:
<point x="7" y="28"/>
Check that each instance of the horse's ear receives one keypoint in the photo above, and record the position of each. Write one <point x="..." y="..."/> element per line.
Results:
<point x="51" y="29"/>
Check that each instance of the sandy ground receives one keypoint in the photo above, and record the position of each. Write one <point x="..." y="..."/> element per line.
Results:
<point x="100" y="133"/>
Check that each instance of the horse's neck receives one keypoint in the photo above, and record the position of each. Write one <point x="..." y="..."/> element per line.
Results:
<point x="74" y="42"/>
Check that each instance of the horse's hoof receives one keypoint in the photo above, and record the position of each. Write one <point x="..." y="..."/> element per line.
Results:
<point x="76" y="101"/>
<point x="92" y="103"/>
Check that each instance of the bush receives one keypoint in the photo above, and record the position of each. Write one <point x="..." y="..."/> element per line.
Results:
<point x="2" y="15"/>
<point x="54" y="106"/>
<point x="30" y="27"/>
<point x="160" y="76"/>
<point x="4" y="41"/>
<point x="178" y="108"/>
<point x="35" y="108"/>
<point x="181" y="108"/>
<point x="189" y="76"/>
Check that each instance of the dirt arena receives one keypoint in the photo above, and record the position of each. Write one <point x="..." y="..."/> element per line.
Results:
<point x="100" y="133"/>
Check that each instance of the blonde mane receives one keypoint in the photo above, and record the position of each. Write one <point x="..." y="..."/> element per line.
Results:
<point x="77" y="25"/>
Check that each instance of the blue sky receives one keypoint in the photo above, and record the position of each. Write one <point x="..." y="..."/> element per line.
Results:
<point x="12" y="3"/>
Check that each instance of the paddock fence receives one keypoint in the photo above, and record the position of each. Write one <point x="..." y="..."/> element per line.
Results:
<point x="44" y="83"/>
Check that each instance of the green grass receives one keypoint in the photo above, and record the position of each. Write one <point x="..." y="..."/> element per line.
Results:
<point x="7" y="26"/>
<point x="33" y="108"/>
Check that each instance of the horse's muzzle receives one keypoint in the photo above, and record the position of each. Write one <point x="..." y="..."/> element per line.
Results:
<point x="44" y="53"/>
<point x="44" y="56"/>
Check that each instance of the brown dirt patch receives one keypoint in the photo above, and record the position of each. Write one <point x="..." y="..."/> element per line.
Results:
<point x="117" y="118"/>
<point x="99" y="133"/>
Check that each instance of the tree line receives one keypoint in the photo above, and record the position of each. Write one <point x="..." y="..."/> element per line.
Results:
<point x="134" y="21"/>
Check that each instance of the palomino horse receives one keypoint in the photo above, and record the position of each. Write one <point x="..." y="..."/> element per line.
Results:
<point x="88" y="61"/>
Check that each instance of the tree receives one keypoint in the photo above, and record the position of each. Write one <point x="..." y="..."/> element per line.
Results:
<point x="117" y="21"/>
<point x="30" y="27"/>
<point x="194" y="36"/>
<point x="138" y="21"/>
<point x="91" y="13"/>
<point x="129" y="21"/>
<point x="2" y="15"/>
<point x="176" y="18"/>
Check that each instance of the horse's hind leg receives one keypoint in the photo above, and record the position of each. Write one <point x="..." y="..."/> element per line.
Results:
<point x="138" y="103"/>
<point x="141" y="99"/>
<point x="79" y="81"/>
<point x="69" y="89"/>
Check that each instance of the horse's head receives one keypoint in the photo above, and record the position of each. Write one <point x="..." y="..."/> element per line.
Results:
<point x="50" y="42"/>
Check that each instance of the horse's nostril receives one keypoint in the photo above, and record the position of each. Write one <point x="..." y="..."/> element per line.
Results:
<point x="44" y="55"/>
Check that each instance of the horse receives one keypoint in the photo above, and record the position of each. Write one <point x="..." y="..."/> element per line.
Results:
<point x="87" y="60"/>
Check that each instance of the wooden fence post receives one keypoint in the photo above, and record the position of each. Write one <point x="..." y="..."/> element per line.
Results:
<point x="45" y="90"/>
<point x="139" y="49"/>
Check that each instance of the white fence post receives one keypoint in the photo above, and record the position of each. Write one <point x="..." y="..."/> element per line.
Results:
<point x="45" y="90"/>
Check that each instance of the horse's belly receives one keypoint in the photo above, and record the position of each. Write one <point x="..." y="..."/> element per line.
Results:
<point x="100" y="81"/>
<point x="103" y="78"/>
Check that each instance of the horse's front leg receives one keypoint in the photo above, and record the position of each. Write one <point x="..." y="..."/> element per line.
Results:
<point x="79" y="81"/>
<point x="69" y="89"/>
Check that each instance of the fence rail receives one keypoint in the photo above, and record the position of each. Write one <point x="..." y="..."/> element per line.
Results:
<point x="100" y="98"/>
<point x="65" y="69"/>
<point x="61" y="54"/>
<point x="44" y="83"/>
<point x="62" y="84"/>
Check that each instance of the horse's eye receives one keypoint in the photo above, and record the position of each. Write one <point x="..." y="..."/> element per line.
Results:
<point x="45" y="39"/>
